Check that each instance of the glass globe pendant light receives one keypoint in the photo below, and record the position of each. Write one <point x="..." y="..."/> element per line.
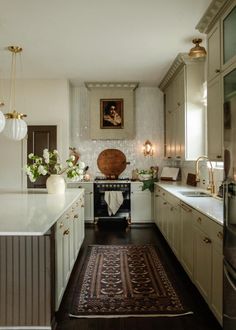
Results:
<point x="2" y="118"/>
<point x="15" y="127"/>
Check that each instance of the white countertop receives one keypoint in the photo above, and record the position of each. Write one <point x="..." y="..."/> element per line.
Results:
<point x="210" y="206"/>
<point x="32" y="212"/>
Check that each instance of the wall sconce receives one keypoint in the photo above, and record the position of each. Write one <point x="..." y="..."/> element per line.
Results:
<point x="147" y="148"/>
<point x="197" y="50"/>
<point x="15" y="126"/>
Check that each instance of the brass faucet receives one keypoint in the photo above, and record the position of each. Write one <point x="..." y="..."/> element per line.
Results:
<point x="211" y="185"/>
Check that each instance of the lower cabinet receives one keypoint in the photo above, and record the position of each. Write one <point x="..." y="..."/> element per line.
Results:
<point x="88" y="200"/>
<point x="197" y="242"/>
<point x="187" y="239"/>
<point x="141" y="203"/>
<point x="69" y="235"/>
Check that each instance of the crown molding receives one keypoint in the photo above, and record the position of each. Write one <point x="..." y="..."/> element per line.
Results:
<point x="211" y="15"/>
<point x="117" y="85"/>
<point x="180" y="60"/>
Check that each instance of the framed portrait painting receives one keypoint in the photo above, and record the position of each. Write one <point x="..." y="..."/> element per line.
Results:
<point x="111" y="113"/>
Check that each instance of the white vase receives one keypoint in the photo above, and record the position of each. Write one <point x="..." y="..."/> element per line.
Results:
<point x="56" y="184"/>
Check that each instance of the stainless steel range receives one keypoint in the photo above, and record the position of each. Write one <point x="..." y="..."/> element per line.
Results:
<point x="101" y="188"/>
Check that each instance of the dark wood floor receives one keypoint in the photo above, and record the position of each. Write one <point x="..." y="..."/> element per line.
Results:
<point x="202" y="319"/>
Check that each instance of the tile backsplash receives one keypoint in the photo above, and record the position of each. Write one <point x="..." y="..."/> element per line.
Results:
<point x="149" y="124"/>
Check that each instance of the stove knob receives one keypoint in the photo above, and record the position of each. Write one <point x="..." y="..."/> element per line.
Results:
<point x="103" y="185"/>
<point x="119" y="185"/>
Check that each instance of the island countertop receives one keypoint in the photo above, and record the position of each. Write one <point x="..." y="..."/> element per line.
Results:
<point x="33" y="212"/>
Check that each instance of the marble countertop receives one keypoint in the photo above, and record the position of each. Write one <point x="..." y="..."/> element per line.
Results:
<point x="210" y="206"/>
<point x="32" y="212"/>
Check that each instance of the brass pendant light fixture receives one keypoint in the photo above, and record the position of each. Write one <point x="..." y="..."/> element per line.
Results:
<point x="15" y="126"/>
<point x="197" y="51"/>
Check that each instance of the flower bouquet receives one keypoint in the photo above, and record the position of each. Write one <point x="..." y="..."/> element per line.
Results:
<point x="50" y="164"/>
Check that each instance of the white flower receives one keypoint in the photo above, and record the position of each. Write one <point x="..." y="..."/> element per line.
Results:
<point x="31" y="177"/>
<point x="82" y="165"/>
<point x="72" y="158"/>
<point x="55" y="152"/>
<point x="80" y="171"/>
<point x="31" y="155"/>
<point x="42" y="170"/>
<point x="27" y="170"/>
<point x="46" y="155"/>
<point x="70" y="164"/>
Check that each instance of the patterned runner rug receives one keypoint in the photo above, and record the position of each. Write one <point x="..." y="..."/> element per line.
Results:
<point x="124" y="281"/>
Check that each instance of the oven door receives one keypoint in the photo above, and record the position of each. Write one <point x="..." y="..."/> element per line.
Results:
<point x="229" y="317"/>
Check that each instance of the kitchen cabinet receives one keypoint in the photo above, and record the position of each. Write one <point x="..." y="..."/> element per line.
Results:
<point x="215" y="120"/>
<point x="184" y="109"/>
<point x="141" y="203"/>
<point x="89" y="200"/>
<point x="213" y="53"/>
<point x="202" y="256"/>
<point x="219" y="22"/>
<point x="69" y="235"/>
<point x="167" y="218"/>
<point x="187" y="237"/>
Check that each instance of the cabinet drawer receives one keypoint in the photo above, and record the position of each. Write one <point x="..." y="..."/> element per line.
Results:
<point x="136" y="186"/>
<point x="202" y="222"/>
<point x="88" y="187"/>
<point x="217" y="232"/>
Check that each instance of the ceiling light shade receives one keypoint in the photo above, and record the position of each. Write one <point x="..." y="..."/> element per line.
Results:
<point x="15" y="127"/>
<point x="197" y="50"/>
<point x="2" y="121"/>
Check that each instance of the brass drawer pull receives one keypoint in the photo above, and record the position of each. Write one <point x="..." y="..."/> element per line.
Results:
<point x="66" y="232"/>
<point x="207" y="240"/>
<point x="185" y="208"/>
<point x="164" y="203"/>
<point x="61" y="225"/>
<point x="163" y="194"/>
<point x="76" y="216"/>
<point x="82" y="205"/>
<point x="199" y="220"/>
<point x="220" y="235"/>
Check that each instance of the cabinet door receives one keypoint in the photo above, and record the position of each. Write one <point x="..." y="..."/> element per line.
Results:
<point x="169" y="134"/>
<point x="89" y="200"/>
<point x="179" y="89"/>
<point x="213" y="52"/>
<point x="217" y="280"/>
<point x="187" y="239"/>
<point x="179" y="132"/>
<point x="202" y="262"/>
<point x="176" y="230"/>
<point x="215" y="120"/>
<point x="228" y="36"/>
<point x="141" y="206"/>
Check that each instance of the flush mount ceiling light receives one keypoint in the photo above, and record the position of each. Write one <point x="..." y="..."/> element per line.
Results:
<point x="197" y="50"/>
<point x="148" y="148"/>
<point x="15" y="127"/>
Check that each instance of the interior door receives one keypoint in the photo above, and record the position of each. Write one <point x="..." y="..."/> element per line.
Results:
<point x="40" y="138"/>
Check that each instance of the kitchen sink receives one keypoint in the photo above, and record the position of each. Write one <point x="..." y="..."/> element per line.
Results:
<point x="195" y="194"/>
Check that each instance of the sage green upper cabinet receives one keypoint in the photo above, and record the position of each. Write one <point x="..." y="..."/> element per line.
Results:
<point x="213" y="52"/>
<point x="219" y="23"/>
<point x="183" y="88"/>
<point x="228" y="36"/>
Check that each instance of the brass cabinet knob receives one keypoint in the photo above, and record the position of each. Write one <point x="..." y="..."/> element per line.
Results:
<point x="61" y="225"/>
<point x="218" y="156"/>
<point x="66" y="232"/>
<point x="199" y="220"/>
<point x="220" y="235"/>
<point x="76" y="216"/>
<point x="217" y="70"/>
<point x="207" y="240"/>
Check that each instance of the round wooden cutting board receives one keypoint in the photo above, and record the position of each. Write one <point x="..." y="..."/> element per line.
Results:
<point x="111" y="162"/>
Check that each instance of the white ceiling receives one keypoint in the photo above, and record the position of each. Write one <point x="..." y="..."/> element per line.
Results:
<point x="98" y="40"/>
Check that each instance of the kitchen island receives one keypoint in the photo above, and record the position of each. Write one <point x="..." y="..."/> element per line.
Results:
<point x="40" y="237"/>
